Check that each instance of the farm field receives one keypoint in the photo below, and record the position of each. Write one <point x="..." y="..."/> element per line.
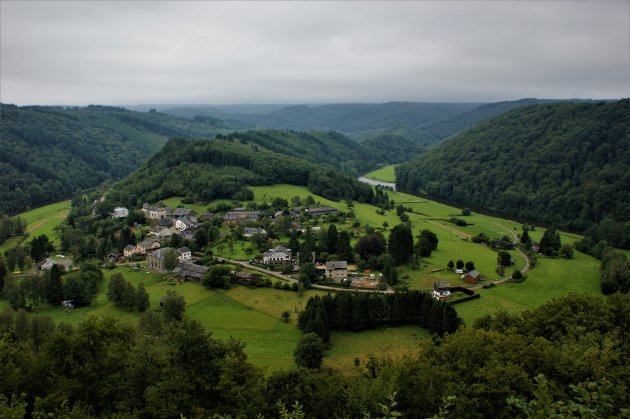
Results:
<point x="42" y="220"/>
<point x="384" y="174"/>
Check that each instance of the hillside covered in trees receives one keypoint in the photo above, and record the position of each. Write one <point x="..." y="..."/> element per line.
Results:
<point x="221" y="168"/>
<point x="48" y="153"/>
<point x="566" y="164"/>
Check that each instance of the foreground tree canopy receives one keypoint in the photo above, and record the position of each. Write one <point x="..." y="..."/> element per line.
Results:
<point x="568" y="357"/>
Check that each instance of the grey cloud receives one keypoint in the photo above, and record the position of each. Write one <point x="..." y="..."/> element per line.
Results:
<point x="276" y="52"/>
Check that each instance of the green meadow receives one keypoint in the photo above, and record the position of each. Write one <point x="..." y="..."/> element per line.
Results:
<point x="384" y="174"/>
<point x="42" y="220"/>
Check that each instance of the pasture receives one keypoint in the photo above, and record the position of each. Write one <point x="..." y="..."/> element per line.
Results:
<point x="384" y="174"/>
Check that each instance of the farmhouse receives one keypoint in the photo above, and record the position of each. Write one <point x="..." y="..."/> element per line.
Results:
<point x="180" y="213"/>
<point x="184" y="223"/>
<point x="317" y="211"/>
<point x="129" y="250"/>
<point x="184" y="253"/>
<point x="147" y="245"/>
<point x="187" y="271"/>
<point x="441" y="290"/>
<point x="155" y="260"/>
<point x="48" y="264"/>
<point x="251" y="231"/>
<point x="161" y="232"/>
<point x="277" y="255"/>
<point x="337" y="270"/>
<point x="245" y="278"/>
<point x="120" y="212"/>
<point x="156" y="212"/>
<point x="240" y="216"/>
<point x="472" y="277"/>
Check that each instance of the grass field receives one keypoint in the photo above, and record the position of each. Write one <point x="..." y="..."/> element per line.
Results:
<point x="384" y="174"/>
<point x="42" y="220"/>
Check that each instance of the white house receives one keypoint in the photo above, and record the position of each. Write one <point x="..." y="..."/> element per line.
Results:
<point x="184" y="253"/>
<point x="441" y="290"/>
<point x="184" y="223"/>
<point x="337" y="270"/>
<point x="251" y="231"/>
<point x="120" y="212"/>
<point x="277" y="255"/>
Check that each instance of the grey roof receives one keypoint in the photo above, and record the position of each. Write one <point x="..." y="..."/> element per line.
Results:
<point x="279" y="248"/>
<point x="474" y="273"/>
<point x="129" y="247"/>
<point x="253" y="230"/>
<point x="188" y="269"/>
<point x="147" y="242"/>
<point x="206" y="215"/>
<point x="336" y="264"/>
<point x="161" y="253"/>
<point x="322" y="210"/>
<point x="441" y="284"/>
<point x="164" y="222"/>
<point x="182" y="212"/>
<point x="183" y="250"/>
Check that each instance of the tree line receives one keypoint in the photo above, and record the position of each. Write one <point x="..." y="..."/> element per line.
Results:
<point x="364" y="311"/>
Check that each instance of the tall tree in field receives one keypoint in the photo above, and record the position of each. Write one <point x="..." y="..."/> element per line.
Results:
<point x="310" y="351"/>
<point x="142" y="298"/>
<point x="332" y="239"/>
<point x="401" y="244"/>
<point x="173" y="307"/>
<point x="54" y="290"/>
<point x="525" y="239"/>
<point x="344" y="251"/>
<point x="170" y="260"/>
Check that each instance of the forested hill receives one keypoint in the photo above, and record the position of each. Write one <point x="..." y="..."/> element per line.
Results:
<point x="203" y="170"/>
<point x="333" y="149"/>
<point x="48" y="153"/>
<point x="566" y="164"/>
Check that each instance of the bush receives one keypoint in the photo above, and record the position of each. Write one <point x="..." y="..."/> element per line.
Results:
<point x="517" y="274"/>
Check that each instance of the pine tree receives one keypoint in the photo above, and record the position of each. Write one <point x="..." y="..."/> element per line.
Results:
<point x="343" y="246"/>
<point x="332" y="239"/>
<point x="401" y="244"/>
<point x="525" y="239"/>
<point x="54" y="291"/>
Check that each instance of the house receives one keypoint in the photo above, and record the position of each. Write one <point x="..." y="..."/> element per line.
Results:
<point x="240" y="215"/>
<point x="184" y="253"/>
<point x="337" y="270"/>
<point x="161" y="232"/>
<point x="155" y="260"/>
<point x="164" y="222"/>
<point x="188" y="235"/>
<point x="294" y="213"/>
<point x="129" y="250"/>
<point x="441" y="290"/>
<point x="184" y="223"/>
<point x="245" y="278"/>
<point x="317" y="211"/>
<point x="472" y="277"/>
<point x="120" y="212"/>
<point x="187" y="271"/>
<point x="147" y="245"/>
<point x="115" y="257"/>
<point x="48" y="264"/>
<point x="157" y="212"/>
<point x="277" y="255"/>
<point x="252" y="231"/>
<point x="184" y="212"/>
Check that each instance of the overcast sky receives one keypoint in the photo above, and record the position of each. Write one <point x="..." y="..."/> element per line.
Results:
<point x="311" y="52"/>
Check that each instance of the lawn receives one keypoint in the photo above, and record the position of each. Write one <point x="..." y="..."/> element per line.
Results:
<point x="384" y="174"/>
<point x="176" y="201"/>
<point x="42" y="220"/>
<point x="345" y="347"/>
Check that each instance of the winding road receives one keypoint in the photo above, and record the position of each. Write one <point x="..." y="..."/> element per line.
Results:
<point x="515" y="237"/>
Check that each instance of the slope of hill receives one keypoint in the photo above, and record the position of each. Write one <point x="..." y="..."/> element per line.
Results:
<point x="48" y="153"/>
<point x="566" y="164"/>
<point x="222" y="168"/>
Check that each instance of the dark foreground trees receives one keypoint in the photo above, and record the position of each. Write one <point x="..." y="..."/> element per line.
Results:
<point x="569" y="358"/>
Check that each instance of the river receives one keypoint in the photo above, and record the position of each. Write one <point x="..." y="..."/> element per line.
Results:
<point x="377" y="182"/>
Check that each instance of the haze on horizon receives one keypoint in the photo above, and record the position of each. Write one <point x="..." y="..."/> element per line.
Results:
<point x="125" y="53"/>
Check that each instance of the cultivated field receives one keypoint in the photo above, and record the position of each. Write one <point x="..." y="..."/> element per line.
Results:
<point x="384" y="174"/>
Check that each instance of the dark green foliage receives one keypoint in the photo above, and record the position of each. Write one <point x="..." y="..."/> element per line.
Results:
<point x="173" y="307"/>
<point x="344" y="251"/>
<point x="308" y="274"/>
<point x="11" y="226"/>
<point x="54" y="289"/>
<point x="566" y="251"/>
<point x="217" y="277"/>
<point x="332" y="239"/>
<point x="221" y="168"/>
<point x="525" y="239"/>
<point x="459" y="264"/>
<point x="614" y="272"/>
<point x="400" y="244"/>
<point x="48" y="153"/>
<point x="564" y="164"/>
<point x="470" y="265"/>
<point x="550" y="242"/>
<point x="427" y="243"/>
<point x="364" y="311"/>
<point x="371" y="245"/>
<point x="123" y="294"/>
<point x="81" y="287"/>
<point x="517" y="274"/>
<point x="170" y="260"/>
<point x="504" y="258"/>
<point x="40" y="247"/>
<point x="310" y="351"/>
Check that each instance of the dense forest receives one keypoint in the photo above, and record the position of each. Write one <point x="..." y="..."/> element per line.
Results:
<point x="566" y="358"/>
<point x="566" y="164"/>
<point x="48" y="153"/>
<point x="203" y="170"/>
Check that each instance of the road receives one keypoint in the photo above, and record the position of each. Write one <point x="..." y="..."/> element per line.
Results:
<point x="515" y="237"/>
<point x="295" y="281"/>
